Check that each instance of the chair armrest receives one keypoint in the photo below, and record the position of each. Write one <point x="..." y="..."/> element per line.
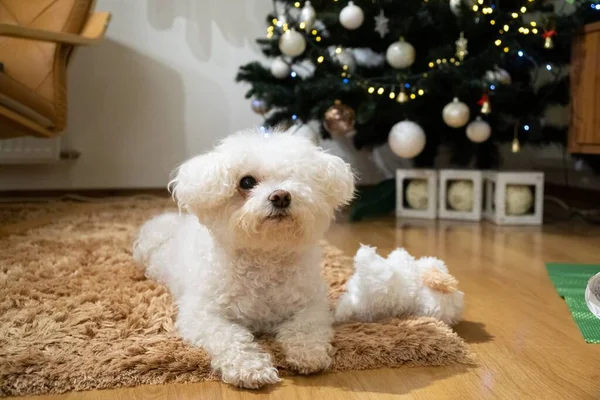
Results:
<point x="92" y="32"/>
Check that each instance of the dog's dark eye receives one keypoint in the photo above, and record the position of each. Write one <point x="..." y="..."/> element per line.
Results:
<point x="247" y="183"/>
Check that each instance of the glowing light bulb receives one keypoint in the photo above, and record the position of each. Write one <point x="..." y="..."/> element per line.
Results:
<point x="533" y="23"/>
<point x="523" y="10"/>
<point x="314" y="32"/>
<point x="421" y="92"/>
<point x="549" y="67"/>
<point x="320" y="59"/>
<point x="293" y="74"/>
<point x="294" y="117"/>
<point x="515" y="15"/>
<point x="526" y="127"/>
<point x="475" y="7"/>
<point x="371" y="90"/>
<point x="274" y="21"/>
<point x="318" y="38"/>
<point x="438" y="61"/>
<point x="492" y="22"/>
<point x="534" y="31"/>
<point x="505" y="27"/>
<point x="297" y="4"/>
<point x="498" y="42"/>
<point x="392" y="95"/>
<point x="492" y="87"/>
<point x="431" y="64"/>
<point x="302" y="25"/>
<point x="338" y="50"/>
<point x="520" y="53"/>
<point x="413" y="96"/>
<point x="506" y="49"/>
<point x="380" y="90"/>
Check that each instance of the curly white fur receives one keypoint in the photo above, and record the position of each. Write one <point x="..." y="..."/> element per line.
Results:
<point x="233" y="269"/>
<point x="237" y="266"/>
<point x="395" y="286"/>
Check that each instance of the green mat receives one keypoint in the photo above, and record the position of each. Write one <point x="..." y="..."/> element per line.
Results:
<point x="570" y="281"/>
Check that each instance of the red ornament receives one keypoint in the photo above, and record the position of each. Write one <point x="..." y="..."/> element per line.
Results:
<point x="484" y="102"/>
<point x="484" y="99"/>
<point x="547" y="35"/>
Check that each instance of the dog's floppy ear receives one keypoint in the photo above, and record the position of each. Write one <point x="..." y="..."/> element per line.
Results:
<point x="201" y="183"/>
<point x="339" y="179"/>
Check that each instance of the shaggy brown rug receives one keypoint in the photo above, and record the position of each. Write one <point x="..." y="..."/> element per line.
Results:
<point x="76" y="313"/>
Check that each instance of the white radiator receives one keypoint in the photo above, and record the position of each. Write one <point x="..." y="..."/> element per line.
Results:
<point x="28" y="150"/>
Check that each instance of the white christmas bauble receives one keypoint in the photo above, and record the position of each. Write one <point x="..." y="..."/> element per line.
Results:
<point x="308" y="15"/>
<point x="400" y="54"/>
<point x="407" y="139"/>
<point x="279" y="68"/>
<point x="292" y="43"/>
<point x="455" y="5"/>
<point x="352" y="16"/>
<point x="478" y="131"/>
<point x="456" y="113"/>
<point x="460" y="195"/>
<point x="519" y="199"/>
<point x="306" y="131"/>
<point x="498" y="75"/>
<point x="346" y="58"/>
<point x="417" y="194"/>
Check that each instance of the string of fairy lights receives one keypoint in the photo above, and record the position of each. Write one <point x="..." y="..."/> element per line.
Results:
<point x="402" y="91"/>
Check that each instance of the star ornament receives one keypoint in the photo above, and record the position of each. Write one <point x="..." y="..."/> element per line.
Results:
<point x="381" y="24"/>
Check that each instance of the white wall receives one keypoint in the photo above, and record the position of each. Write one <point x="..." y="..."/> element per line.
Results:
<point x="158" y="90"/>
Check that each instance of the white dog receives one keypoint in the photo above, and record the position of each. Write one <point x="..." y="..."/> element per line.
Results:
<point x="244" y="258"/>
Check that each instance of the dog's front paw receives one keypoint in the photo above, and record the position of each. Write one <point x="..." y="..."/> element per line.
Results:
<point x="250" y="373"/>
<point x="309" y="360"/>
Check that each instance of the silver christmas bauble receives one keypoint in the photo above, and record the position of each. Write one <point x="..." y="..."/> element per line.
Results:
<point x="400" y="54"/>
<point x="407" y="139"/>
<point x="456" y="113"/>
<point x="308" y="15"/>
<point x="279" y="68"/>
<point x="460" y="195"/>
<point x="292" y="43"/>
<point x="352" y="16"/>
<point x="260" y="106"/>
<point x="417" y="194"/>
<point x="478" y="131"/>
<point x="519" y="199"/>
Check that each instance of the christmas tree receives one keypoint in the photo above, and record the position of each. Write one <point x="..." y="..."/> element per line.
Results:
<point x="419" y="74"/>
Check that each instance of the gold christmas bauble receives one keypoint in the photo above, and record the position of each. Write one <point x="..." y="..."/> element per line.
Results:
<point x="339" y="119"/>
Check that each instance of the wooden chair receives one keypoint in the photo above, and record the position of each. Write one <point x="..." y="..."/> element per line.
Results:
<point x="37" y="39"/>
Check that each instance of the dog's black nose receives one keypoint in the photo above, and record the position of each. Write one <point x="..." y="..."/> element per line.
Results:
<point x="280" y="199"/>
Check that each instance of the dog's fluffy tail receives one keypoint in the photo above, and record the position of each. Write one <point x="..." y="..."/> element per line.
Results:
<point x="153" y="234"/>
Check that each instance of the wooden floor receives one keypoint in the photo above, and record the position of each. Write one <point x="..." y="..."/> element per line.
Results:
<point x="528" y="346"/>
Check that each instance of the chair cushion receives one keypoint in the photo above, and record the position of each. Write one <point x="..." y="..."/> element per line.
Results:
<point x="35" y="71"/>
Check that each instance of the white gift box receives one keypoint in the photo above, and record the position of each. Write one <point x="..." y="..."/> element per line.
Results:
<point x="446" y="178"/>
<point x="403" y="178"/>
<point x="496" y="184"/>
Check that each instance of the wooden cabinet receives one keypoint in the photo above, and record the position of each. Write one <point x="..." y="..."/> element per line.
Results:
<point x="584" y="131"/>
